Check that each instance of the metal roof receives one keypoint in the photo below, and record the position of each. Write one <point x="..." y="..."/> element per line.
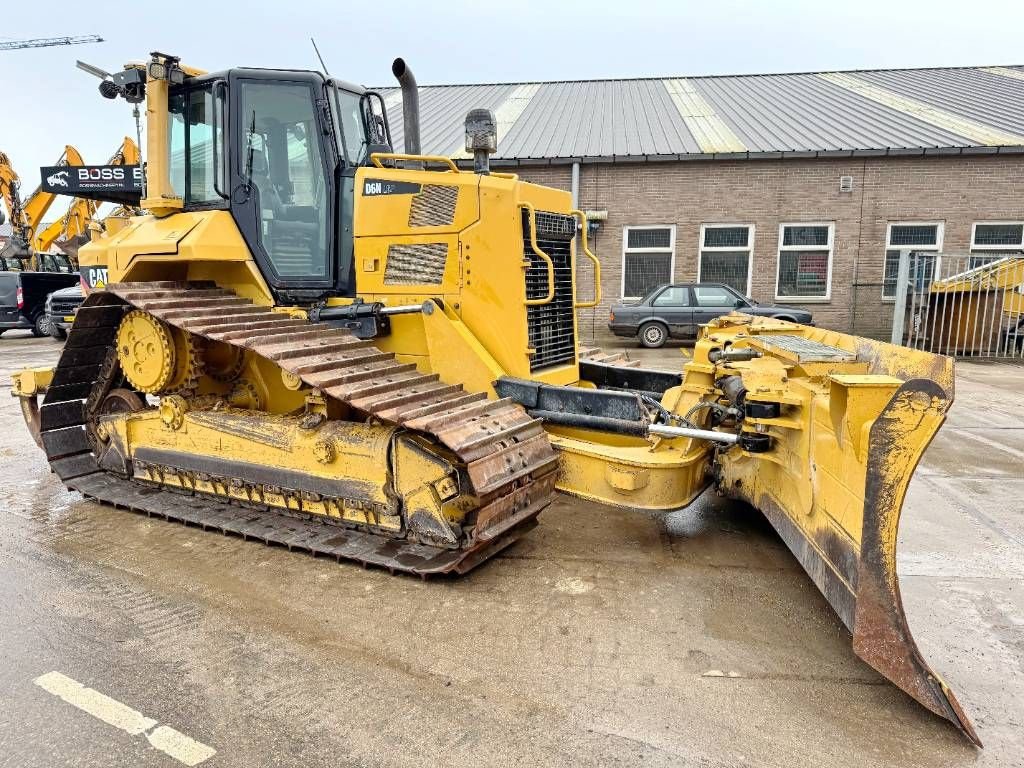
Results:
<point x="864" y="112"/>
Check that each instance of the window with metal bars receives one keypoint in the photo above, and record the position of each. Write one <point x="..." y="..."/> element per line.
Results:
<point x="648" y="257"/>
<point x="725" y="255"/>
<point x="805" y="261"/>
<point x="648" y="237"/>
<point x="994" y="240"/>
<point x="917" y="237"/>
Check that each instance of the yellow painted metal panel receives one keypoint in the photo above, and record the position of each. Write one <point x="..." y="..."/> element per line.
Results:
<point x="971" y="129"/>
<point x="708" y="129"/>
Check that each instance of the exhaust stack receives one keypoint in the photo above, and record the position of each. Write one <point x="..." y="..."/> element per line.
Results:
<point x="410" y="105"/>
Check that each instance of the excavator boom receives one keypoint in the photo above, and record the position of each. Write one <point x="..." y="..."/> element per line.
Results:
<point x="38" y="203"/>
<point x="27" y="215"/>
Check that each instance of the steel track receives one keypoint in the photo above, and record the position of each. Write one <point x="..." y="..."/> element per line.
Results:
<point x="505" y="453"/>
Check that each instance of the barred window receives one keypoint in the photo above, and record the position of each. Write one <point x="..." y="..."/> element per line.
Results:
<point x="726" y="237"/>
<point x="805" y="261"/>
<point x="914" y="234"/>
<point x="725" y="255"/>
<point x="648" y="257"/>
<point x="649" y="237"/>
<point x="805" y="235"/>
<point x="998" y="235"/>
<point x="912" y="237"/>
<point x="994" y="240"/>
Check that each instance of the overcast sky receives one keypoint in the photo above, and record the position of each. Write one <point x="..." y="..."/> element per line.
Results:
<point x="48" y="103"/>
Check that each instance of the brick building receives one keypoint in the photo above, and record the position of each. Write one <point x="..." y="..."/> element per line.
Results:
<point x="795" y="189"/>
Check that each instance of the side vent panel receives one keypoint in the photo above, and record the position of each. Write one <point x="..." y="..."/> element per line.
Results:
<point x="434" y="206"/>
<point x="416" y="264"/>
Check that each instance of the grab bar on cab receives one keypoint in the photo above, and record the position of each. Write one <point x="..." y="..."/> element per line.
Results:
<point x="377" y="157"/>
<point x="543" y="256"/>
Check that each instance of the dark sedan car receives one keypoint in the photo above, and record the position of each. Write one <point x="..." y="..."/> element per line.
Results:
<point x="677" y="311"/>
<point x="60" y="310"/>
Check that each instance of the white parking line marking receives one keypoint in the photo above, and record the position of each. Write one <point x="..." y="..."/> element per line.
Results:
<point x="111" y="711"/>
<point x="987" y="441"/>
<point x="179" y="746"/>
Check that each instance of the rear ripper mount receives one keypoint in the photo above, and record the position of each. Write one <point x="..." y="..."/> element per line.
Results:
<point x="504" y="453"/>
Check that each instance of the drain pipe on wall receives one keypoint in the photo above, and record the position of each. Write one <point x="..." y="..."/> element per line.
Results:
<point x="574" y="189"/>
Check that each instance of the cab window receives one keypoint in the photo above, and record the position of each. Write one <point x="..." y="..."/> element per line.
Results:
<point x="197" y="167"/>
<point x="350" y="117"/>
<point x="283" y="158"/>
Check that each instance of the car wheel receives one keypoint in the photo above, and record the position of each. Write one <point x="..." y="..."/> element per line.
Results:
<point x="785" y="318"/>
<point x="57" y="332"/>
<point x="40" y="325"/>
<point x="653" y="335"/>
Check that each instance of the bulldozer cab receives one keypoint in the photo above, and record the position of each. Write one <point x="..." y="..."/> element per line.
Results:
<point x="279" y="150"/>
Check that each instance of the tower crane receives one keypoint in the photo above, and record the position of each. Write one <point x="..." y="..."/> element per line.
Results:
<point x="46" y="42"/>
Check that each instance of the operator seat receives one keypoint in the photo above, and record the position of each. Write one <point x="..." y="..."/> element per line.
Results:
<point x="293" y="244"/>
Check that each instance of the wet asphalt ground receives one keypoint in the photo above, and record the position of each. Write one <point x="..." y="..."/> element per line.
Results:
<point x="604" y="638"/>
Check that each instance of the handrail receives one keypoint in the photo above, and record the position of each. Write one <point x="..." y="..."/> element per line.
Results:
<point x="376" y="158"/>
<point x="593" y="260"/>
<point x="547" y="259"/>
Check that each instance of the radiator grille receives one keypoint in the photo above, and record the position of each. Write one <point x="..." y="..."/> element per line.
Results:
<point x="551" y="327"/>
<point x="64" y="306"/>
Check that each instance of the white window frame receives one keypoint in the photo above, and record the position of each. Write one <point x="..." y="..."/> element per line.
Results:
<point x="751" y="231"/>
<point x="974" y="234"/>
<point x="828" y="273"/>
<point x="940" y="232"/>
<point x="627" y="250"/>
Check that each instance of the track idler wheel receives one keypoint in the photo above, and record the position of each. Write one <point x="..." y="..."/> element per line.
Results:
<point x="121" y="401"/>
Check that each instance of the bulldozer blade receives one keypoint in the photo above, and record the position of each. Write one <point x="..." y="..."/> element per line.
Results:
<point x="860" y="582"/>
<point x="881" y="635"/>
<point x="30" y="411"/>
<point x="29" y="385"/>
<point x="843" y="530"/>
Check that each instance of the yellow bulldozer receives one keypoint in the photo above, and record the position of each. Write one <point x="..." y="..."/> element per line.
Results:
<point x="312" y="340"/>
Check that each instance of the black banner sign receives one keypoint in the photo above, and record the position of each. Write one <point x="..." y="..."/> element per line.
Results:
<point x="113" y="183"/>
<point x="374" y="187"/>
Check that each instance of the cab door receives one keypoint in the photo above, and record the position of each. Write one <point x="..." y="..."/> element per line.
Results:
<point x="283" y="194"/>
